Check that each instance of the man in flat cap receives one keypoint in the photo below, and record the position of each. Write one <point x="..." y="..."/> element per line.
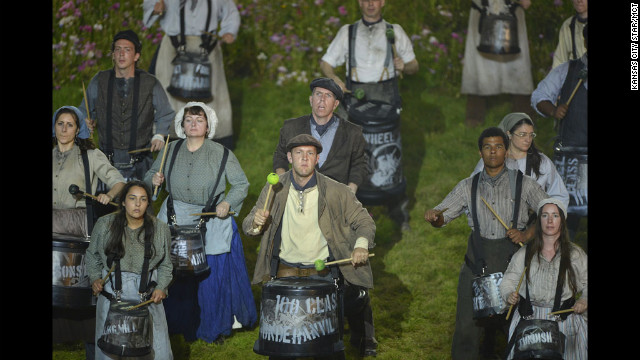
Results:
<point x="342" y="141"/>
<point x="311" y="217"/>
<point x="129" y="108"/>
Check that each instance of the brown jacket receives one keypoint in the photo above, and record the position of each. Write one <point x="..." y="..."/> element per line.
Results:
<point x="341" y="217"/>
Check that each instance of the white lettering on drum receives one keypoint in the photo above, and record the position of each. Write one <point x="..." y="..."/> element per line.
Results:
<point x="536" y="338"/>
<point x="292" y="320"/>
<point x="379" y="138"/>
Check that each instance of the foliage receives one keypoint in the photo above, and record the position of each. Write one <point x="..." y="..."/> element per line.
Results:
<point x="283" y="41"/>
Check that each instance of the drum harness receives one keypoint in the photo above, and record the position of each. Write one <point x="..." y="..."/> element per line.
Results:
<point x="208" y="41"/>
<point x="396" y="100"/>
<point x="145" y="288"/>
<point x="213" y="198"/>
<point x="134" y="158"/>
<point x="87" y="183"/>
<point x="478" y="268"/>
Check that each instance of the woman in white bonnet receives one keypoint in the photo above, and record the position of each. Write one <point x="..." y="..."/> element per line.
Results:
<point x="208" y="307"/>
<point x="548" y="256"/>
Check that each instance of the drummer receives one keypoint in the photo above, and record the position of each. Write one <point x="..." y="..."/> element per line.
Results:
<point x="72" y="144"/>
<point x="119" y="238"/>
<point x="561" y="86"/>
<point x="550" y="253"/>
<point x="311" y="217"/>
<point x="496" y="184"/>
<point x="129" y="107"/>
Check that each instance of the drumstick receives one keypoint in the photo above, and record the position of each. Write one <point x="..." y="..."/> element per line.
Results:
<point x="210" y="213"/>
<point x="74" y="189"/>
<point x="164" y="155"/>
<point x="517" y="289"/>
<point x="496" y="215"/>
<point x="139" y="305"/>
<point x="391" y="36"/>
<point x="582" y="75"/>
<point x="343" y="260"/>
<point x="272" y="179"/>
<point x="86" y="103"/>
<point x="561" y="311"/>
<point x="139" y="150"/>
<point x="320" y="266"/>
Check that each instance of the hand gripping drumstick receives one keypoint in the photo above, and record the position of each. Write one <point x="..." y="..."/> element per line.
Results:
<point x="496" y="215"/>
<point x="164" y="155"/>
<point x="320" y="264"/>
<point x="391" y="36"/>
<point x="517" y="289"/>
<point x="104" y="279"/>
<point x="582" y="75"/>
<point x="272" y="179"/>
<point x="74" y="189"/>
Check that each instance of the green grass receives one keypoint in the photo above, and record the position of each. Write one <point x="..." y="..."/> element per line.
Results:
<point x="415" y="273"/>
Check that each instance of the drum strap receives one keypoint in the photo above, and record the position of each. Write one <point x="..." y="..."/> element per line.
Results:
<point x="353" y="29"/>
<point x="572" y="29"/>
<point x="206" y="36"/>
<point x="213" y="198"/>
<point x="134" y="113"/>
<point x="87" y="183"/>
<point x="144" y="286"/>
<point x="476" y="240"/>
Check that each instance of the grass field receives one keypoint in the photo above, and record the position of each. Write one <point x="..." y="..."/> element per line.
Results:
<point x="416" y="272"/>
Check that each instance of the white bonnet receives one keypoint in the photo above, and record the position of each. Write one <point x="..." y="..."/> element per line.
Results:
<point x="212" y="119"/>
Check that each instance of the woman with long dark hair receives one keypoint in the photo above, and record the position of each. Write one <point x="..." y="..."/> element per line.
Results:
<point x="119" y="239"/>
<point x="524" y="155"/>
<point x="555" y="279"/>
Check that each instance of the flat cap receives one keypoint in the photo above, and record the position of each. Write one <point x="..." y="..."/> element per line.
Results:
<point x="128" y="35"/>
<point x="302" y="140"/>
<point x="328" y="84"/>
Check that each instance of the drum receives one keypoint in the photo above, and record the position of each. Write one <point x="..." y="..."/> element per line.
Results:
<point x="299" y="317"/>
<point x="572" y="165"/>
<point x="499" y="34"/>
<point x="187" y="251"/>
<point x="538" y="339"/>
<point x="191" y="78"/>
<point x="126" y="332"/>
<point x="70" y="279"/>
<point x="486" y="295"/>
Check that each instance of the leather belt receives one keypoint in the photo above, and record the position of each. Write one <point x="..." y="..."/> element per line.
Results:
<point x="287" y="271"/>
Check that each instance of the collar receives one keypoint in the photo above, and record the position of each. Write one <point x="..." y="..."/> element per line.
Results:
<point x="492" y="180"/>
<point x="322" y="128"/>
<point x="371" y="23"/>
<point x="311" y="183"/>
<point x="581" y="20"/>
